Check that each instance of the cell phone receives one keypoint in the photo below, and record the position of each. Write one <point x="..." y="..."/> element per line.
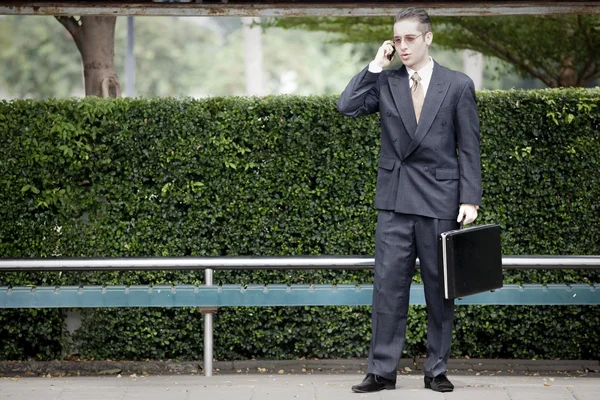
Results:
<point x="389" y="56"/>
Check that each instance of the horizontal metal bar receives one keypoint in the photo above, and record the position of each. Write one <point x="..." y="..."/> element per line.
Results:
<point x="264" y="263"/>
<point x="272" y="295"/>
<point x="282" y="9"/>
<point x="551" y="262"/>
<point x="187" y="263"/>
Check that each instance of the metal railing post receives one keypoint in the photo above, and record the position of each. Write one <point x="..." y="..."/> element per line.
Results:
<point x="208" y="331"/>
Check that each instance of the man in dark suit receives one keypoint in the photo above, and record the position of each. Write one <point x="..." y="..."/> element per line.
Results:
<point x="429" y="180"/>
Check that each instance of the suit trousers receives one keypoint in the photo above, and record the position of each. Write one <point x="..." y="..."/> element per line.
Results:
<point x="399" y="240"/>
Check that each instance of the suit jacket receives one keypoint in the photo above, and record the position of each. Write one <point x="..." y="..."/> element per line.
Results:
<point x="430" y="168"/>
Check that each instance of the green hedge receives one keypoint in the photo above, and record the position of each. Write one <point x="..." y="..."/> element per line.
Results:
<point x="277" y="176"/>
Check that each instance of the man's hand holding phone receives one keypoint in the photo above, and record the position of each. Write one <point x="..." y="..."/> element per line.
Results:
<point x="385" y="54"/>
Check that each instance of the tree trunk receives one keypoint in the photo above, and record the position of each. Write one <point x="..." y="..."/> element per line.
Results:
<point x="253" y="57"/>
<point x="568" y="74"/>
<point x="95" y="39"/>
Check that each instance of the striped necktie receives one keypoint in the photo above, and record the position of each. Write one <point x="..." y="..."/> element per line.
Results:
<point x="417" y="94"/>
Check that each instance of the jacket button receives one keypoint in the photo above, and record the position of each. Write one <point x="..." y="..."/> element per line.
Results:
<point x="436" y="147"/>
<point x="403" y="163"/>
<point x="389" y="114"/>
<point x="394" y="138"/>
<point x="425" y="169"/>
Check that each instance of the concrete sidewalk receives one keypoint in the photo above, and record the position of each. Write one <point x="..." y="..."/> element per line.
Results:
<point x="302" y="386"/>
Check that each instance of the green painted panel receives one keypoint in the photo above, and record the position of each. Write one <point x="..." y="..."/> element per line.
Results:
<point x="273" y="295"/>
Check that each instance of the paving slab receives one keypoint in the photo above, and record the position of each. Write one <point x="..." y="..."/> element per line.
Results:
<point x="18" y="392"/>
<point x="585" y="393"/>
<point x="293" y="387"/>
<point x="412" y="394"/>
<point x="91" y="393"/>
<point x="478" y="393"/>
<point x="535" y="393"/>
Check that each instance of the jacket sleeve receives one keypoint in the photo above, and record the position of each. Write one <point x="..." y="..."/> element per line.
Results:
<point x="467" y="130"/>
<point x="361" y="96"/>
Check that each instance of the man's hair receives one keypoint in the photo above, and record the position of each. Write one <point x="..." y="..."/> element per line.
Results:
<point x="417" y="14"/>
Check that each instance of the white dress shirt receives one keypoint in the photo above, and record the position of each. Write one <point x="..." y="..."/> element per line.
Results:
<point x="424" y="73"/>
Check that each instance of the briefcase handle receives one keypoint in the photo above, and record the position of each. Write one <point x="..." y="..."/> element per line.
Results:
<point x="462" y="225"/>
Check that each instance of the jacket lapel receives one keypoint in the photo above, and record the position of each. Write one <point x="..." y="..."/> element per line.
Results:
<point x="401" y="92"/>
<point x="438" y="87"/>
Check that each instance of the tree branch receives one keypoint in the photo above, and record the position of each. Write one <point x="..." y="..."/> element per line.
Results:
<point x="509" y="56"/>
<point x="587" y="75"/>
<point x="591" y="74"/>
<point x="73" y="27"/>
<point x="70" y="23"/>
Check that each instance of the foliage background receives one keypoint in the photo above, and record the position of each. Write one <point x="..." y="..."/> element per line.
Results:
<point x="202" y="57"/>
<point x="196" y="57"/>
<point x="548" y="50"/>
<point x="276" y="176"/>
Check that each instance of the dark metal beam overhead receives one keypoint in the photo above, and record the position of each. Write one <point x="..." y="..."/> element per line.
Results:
<point x="293" y="7"/>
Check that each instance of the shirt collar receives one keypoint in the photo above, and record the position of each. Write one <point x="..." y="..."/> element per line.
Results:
<point x="426" y="71"/>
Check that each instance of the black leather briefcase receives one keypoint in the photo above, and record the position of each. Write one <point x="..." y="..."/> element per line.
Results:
<point x="469" y="261"/>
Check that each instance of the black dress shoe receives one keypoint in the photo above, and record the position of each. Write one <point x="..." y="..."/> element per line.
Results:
<point x="374" y="383"/>
<point x="439" y="383"/>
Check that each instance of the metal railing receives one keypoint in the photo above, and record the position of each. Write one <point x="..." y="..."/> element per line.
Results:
<point x="264" y="263"/>
<point x="209" y="264"/>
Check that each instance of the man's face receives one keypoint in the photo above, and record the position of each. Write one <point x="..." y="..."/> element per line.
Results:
<point x="413" y="50"/>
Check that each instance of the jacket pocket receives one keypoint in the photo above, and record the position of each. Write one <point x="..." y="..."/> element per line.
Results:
<point x="443" y="174"/>
<point x="446" y="109"/>
<point x="386" y="163"/>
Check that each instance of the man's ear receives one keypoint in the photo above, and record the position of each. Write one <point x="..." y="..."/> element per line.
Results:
<point x="429" y="38"/>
